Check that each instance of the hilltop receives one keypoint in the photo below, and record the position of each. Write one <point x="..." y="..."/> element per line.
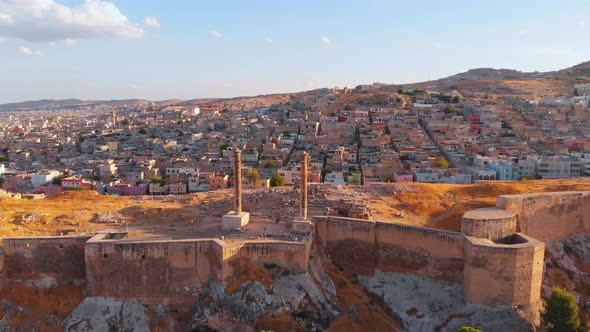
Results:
<point x="472" y="83"/>
<point x="512" y="82"/>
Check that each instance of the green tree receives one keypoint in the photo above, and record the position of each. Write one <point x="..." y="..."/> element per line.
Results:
<point x="253" y="175"/>
<point x="561" y="312"/>
<point x="157" y="179"/>
<point x="57" y="180"/>
<point x="468" y="329"/>
<point x="326" y="170"/>
<point x="270" y="164"/>
<point x="223" y="146"/>
<point x="442" y="163"/>
<point x="277" y="180"/>
<point x="3" y="158"/>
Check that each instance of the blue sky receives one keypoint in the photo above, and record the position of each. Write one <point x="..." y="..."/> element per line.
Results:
<point x="190" y="49"/>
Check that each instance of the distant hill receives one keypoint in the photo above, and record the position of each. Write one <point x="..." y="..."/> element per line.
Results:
<point x="512" y="82"/>
<point x="479" y="82"/>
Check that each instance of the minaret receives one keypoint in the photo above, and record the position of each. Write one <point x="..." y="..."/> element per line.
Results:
<point x="114" y="117"/>
<point x="303" y="188"/>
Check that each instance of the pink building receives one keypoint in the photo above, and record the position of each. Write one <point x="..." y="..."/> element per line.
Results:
<point x="403" y="177"/>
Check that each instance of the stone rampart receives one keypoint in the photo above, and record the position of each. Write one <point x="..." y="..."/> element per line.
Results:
<point x="433" y="253"/>
<point x="548" y="216"/>
<point x="361" y="246"/>
<point x="59" y="257"/>
<point x="505" y="272"/>
<point x="293" y="256"/>
<point x="156" y="272"/>
<point x="500" y="274"/>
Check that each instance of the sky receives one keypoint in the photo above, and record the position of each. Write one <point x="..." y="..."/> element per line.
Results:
<point x="156" y="50"/>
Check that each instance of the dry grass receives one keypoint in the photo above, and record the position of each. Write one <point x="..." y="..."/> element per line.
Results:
<point x="442" y="205"/>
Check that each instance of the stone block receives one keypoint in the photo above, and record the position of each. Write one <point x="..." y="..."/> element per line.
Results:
<point x="232" y="220"/>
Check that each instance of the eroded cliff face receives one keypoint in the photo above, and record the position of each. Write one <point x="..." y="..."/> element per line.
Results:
<point x="567" y="264"/>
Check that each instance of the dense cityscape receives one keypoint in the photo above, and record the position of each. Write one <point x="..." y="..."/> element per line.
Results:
<point x="369" y="134"/>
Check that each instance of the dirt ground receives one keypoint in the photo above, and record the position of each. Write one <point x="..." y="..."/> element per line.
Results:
<point x="431" y="205"/>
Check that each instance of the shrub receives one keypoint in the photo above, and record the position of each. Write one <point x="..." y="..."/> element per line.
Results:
<point x="277" y="180"/>
<point x="442" y="163"/>
<point x="561" y="312"/>
<point x="468" y="329"/>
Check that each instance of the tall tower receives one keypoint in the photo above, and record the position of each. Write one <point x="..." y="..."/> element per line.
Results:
<point x="236" y="218"/>
<point x="302" y="224"/>
<point x="114" y="117"/>
<point x="238" y="181"/>
<point x="303" y="188"/>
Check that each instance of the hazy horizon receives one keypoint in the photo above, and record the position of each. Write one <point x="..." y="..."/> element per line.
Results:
<point x="104" y="50"/>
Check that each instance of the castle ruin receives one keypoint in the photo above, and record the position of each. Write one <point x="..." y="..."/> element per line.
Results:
<point x="497" y="257"/>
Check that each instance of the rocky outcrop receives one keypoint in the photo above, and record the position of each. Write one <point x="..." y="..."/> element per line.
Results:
<point x="107" y="314"/>
<point x="297" y="295"/>
<point x="421" y="304"/>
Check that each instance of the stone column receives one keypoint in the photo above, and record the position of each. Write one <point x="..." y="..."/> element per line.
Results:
<point x="238" y="181"/>
<point x="303" y="188"/>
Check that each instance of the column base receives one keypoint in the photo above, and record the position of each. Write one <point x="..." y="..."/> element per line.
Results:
<point x="231" y="220"/>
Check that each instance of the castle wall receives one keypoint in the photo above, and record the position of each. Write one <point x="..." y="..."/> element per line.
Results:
<point x="158" y="272"/>
<point x="291" y="256"/>
<point x="436" y="254"/>
<point x="360" y="246"/>
<point x="492" y="274"/>
<point x="547" y="216"/>
<point x="349" y="242"/>
<point x="170" y="271"/>
<point x="59" y="257"/>
<point x="499" y="274"/>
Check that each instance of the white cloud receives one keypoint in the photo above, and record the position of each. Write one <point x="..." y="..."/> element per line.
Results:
<point x="268" y="40"/>
<point x="151" y="22"/>
<point x="70" y="41"/>
<point x="523" y="32"/>
<point x="325" y="40"/>
<point x="50" y="21"/>
<point x="5" y="18"/>
<point x="215" y="34"/>
<point x="436" y="45"/>
<point x="25" y="51"/>
<point x="52" y="44"/>
<point x="581" y="24"/>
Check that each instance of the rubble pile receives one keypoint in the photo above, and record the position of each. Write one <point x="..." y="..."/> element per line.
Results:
<point x="109" y="218"/>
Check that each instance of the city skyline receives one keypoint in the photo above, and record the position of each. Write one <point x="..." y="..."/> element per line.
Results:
<point x="156" y="51"/>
